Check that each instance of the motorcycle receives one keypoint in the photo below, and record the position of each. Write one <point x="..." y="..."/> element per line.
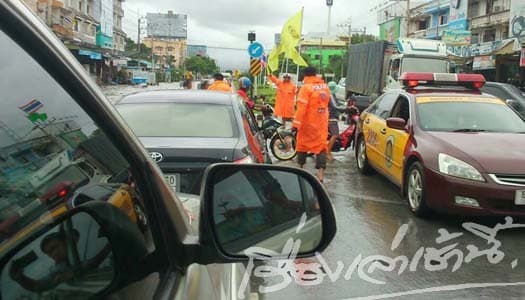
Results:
<point x="347" y="137"/>
<point x="282" y="141"/>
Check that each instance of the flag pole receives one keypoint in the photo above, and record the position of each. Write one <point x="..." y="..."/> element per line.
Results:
<point x="300" y="38"/>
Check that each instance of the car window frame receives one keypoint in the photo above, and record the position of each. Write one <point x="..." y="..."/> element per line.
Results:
<point x="38" y="42"/>
<point x="378" y="102"/>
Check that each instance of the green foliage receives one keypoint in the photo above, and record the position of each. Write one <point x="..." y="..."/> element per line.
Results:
<point x="201" y="64"/>
<point x="361" y="38"/>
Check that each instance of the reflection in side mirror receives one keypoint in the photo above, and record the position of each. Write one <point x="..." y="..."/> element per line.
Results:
<point x="74" y="253"/>
<point x="262" y="206"/>
<point x="396" y="123"/>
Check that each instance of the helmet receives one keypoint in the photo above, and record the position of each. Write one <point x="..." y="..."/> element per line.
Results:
<point x="332" y="85"/>
<point x="245" y="83"/>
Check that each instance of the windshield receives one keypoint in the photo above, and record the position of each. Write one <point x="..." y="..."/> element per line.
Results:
<point x="420" y="64"/>
<point x="468" y="116"/>
<point x="180" y="120"/>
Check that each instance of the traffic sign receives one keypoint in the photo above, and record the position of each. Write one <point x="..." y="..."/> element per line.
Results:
<point x="255" y="66"/>
<point x="256" y="50"/>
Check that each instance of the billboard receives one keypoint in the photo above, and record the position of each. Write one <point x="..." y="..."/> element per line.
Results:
<point x="167" y="26"/>
<point x="517" y="19"/>
<point x="194" y="50"/>
<point x="484" y="62"/>
<point x="456" y="37"/>
<point x="458" y="12"/>
<point x="390" y="31"/>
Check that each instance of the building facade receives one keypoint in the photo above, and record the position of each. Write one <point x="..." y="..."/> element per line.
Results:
<point x="165" y="49"/>
<point x="91" y="29"/>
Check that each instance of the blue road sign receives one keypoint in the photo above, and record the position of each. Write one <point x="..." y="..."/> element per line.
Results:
<point x="256" y="50"/>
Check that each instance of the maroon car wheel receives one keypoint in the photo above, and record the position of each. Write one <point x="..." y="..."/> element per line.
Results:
<point x="415" y="190"/>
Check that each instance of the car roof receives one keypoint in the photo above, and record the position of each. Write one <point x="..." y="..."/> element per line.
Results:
<point x="181" y="96"/>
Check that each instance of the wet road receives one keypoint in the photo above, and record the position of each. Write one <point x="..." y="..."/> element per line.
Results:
<point x="370" y="211"/>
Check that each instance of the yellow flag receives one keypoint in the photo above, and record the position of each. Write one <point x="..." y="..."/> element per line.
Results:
<point x="273" y="59"/>
<point x="290" y="37"/>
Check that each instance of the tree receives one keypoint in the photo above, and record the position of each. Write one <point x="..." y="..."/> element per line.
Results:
<point x="362" y="38"/>
<point x="201" y="64"/>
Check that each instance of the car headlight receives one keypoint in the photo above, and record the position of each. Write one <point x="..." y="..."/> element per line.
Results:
<point x="454" y="167"/>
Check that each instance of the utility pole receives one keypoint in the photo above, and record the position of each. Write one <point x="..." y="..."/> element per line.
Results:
<point x="329" y="3"/>
<point x="138" y="32"/>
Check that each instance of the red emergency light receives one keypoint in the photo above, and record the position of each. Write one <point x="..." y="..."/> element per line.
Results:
<point x="414" y="79"/>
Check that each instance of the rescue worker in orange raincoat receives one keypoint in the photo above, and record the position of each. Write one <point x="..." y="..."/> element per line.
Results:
<point x="311" y="120"/>
<point x="219" y="84"/>
<point x="284" y="101"/>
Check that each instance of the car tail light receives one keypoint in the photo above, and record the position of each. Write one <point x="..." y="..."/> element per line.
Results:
<point x="245" y="160"/>
<point x="414" y="79"/>
<point x="62" y="193"/>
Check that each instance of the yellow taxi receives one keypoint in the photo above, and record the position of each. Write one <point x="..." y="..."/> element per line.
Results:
<point x="440" y="140"/>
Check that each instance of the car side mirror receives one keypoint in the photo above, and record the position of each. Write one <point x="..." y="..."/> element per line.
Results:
<point x="95" y="245"/>
<point x="396" y="123"/>
<point x="247" y="207"/>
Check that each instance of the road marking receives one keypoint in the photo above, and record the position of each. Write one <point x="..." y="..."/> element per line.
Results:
<point x="445" y="288"/>
<point x="368" y="198"/>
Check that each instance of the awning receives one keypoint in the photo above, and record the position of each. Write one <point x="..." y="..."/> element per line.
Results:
<point x="91" y="54"/>
<point x="501" y="47"/>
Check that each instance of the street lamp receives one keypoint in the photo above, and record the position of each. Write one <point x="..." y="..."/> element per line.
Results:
<point x="329" y="3"/>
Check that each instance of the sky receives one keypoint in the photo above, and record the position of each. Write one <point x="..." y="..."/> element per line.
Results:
<point x="223" y="24"/>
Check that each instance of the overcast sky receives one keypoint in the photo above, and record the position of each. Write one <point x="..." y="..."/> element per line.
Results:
<point x="225" y="23"/>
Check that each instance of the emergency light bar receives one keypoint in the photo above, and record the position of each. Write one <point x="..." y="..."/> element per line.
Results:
<point x="413" y="79"/>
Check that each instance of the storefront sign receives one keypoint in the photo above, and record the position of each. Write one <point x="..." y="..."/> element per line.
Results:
<point x="460" y="24"/>
<point x="484" y="62"/>
<point x="483" y="48"/>
<point x="389" y="31"/>
<point x="456" y="37"/>
<point x="517" y="19"/>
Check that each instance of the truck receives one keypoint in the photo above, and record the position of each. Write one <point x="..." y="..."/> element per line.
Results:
<point x="375" y="67"/>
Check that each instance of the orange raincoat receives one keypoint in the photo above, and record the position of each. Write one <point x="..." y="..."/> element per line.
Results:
<point x="220" y="85"/>
<point x="284" y="102"/>
<point x="311" y="118"/>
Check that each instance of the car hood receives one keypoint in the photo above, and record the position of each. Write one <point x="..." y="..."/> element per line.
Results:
<point x="177" y="149"/>
<point x="495" y="152"/>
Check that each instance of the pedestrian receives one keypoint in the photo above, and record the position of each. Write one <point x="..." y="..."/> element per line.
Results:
<point x="188" y="78"/>
<point x="285" y="98"/>
<point x="333" y="120"/>
<point x="219" y="84"/>
<point x="311" y="120"/>
<point x="244" y="85"/>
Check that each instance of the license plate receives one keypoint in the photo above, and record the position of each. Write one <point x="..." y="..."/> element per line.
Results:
<point x="172" y="180"/>
<point x="519" y="199"/>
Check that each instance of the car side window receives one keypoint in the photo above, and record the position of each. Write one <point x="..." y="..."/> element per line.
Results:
<point x="384" y="105"/>
<point x="51" y="153"/>
<point x="401" y="109"/>
<point x="247" y="113"/>
<point x="373" y="107"/>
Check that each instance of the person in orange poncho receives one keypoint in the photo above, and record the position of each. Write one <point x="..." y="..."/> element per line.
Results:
<point x="285" y="98"/>
<point x="219" y="84"/>
<point x="311" y="120"/>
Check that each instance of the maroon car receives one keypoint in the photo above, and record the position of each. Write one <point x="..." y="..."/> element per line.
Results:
<point x="449" y="147"/>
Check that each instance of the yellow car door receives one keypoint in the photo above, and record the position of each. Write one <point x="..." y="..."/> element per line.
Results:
<point x="374" y="130"/>
<point x="396" y="140"/>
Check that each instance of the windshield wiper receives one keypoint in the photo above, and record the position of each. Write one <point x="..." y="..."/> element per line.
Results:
<point x="469" y="130"/>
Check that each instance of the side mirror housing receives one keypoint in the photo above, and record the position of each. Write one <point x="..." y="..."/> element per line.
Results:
<point x="252" y="208"/>
<point x="396" y="123"/>
<point x="98" y="243"/>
